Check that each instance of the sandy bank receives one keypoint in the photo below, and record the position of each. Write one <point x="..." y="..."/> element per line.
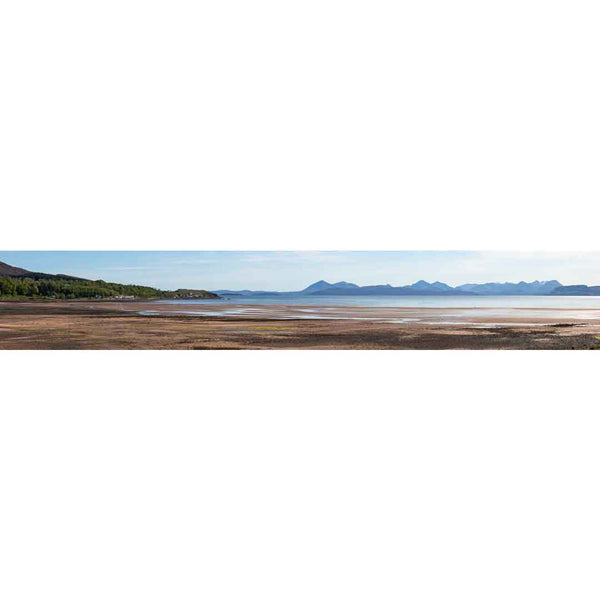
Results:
<point x="147" y="325"/>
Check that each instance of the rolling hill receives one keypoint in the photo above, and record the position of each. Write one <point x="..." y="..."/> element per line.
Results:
<point x="17" y="282"/>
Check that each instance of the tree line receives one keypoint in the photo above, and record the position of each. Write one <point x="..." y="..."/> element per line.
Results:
<point x="70" y="289"/>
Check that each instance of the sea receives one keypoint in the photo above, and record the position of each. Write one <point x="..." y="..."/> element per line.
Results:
<point x="455" y="310"/>
<point x="548" y="302"/>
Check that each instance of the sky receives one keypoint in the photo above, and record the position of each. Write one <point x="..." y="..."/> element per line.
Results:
<point x="295" y="270"/>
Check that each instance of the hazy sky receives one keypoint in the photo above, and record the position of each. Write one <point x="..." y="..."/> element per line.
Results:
<point x="296" y="270"/>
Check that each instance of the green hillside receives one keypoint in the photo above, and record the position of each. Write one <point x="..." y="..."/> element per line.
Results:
<point x="26" y="284"/>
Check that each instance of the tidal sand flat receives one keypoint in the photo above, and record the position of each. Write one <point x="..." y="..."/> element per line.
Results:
<point x="188" y="326"/>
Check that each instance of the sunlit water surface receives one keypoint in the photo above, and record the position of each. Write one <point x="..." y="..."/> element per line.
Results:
<point x="408" y="301"/>
<point x="452" y="310"/>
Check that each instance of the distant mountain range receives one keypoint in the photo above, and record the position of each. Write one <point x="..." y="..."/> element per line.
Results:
<point x="534" y="288"/>
<point x="576" y="290"/>
<point x="424" y="288"/>
<point x="89" y="288"/>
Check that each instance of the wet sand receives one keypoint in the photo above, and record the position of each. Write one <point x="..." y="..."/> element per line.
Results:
<point x="153" y="325"/>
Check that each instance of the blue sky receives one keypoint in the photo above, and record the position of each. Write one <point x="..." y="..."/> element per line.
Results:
<point x="296" y="270"/>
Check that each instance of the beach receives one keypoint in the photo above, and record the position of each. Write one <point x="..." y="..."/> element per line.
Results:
<point x="155" y="325"/>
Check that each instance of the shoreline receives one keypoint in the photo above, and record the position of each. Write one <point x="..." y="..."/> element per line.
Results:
<point x="122" y="325"/>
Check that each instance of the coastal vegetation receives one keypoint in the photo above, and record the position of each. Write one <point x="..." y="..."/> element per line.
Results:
<point x="18" y="283"/>
<point x="71" y="289"/>
<point x="29" y="287"/>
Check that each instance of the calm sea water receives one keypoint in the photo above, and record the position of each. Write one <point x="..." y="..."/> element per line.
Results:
<point x="409" y="301"/>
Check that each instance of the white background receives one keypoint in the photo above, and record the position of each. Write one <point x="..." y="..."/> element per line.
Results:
<point x="289" y="126"/>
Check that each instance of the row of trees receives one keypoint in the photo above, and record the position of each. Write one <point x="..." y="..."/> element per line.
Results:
<point x="72" y="288"/>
